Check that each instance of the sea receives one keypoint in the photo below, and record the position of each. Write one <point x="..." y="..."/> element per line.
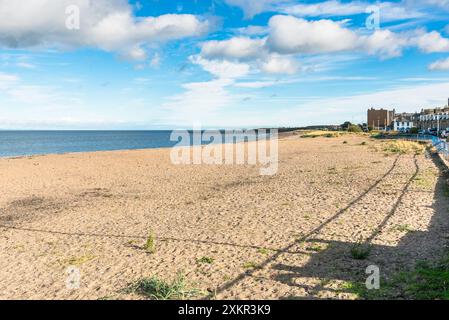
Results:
<point x="28" y="143"/>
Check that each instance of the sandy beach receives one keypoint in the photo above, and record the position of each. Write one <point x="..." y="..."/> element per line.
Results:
<point x="285" y="236"/>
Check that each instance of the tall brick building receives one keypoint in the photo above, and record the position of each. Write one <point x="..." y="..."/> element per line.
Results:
<point x="380" y="119"/>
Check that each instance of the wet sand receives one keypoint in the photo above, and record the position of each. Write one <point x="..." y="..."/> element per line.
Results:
<point x="270" y="237"/>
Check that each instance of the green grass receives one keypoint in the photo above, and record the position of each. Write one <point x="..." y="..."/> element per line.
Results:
<point x="158" y="289"/>
<point x="150" y="244"/>
<point x="251" y="265"/>
<point x="403" y="228"/>
<point x="315" y="248"/>
<point x="402" y="147"/>
<point x="205" y="260"/>
<point x="263" y="251"/>
<point x="428" y="281"/>
<point x="360" y="251"/>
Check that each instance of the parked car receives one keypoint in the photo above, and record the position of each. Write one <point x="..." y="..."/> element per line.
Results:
<point x="433" y="132"/>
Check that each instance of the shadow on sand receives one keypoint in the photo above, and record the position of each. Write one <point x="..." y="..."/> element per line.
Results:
<point x="336" y="262"/>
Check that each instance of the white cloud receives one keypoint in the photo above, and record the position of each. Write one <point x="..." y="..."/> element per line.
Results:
<point x="292" y="35"/>
<point x="222" y="69"/>
<point x="289" y="36"/>
<point x="256" y="84"/>
<point x="254" y="7"/>
<point x="253" y="30"/>
<point x="440" y="65"/>
<point x="384" y="43"/>
<point x="389" y="11"/>
<point x="135" y="54"/>
<point x="235" y="48"/>
<point x="432" y="42"/>
<point x="106" y="24"/>
<point x="280" y="64"/>
<point x="326" y="8"/>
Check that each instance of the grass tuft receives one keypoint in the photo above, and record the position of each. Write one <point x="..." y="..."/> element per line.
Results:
<point x="205" y="260"/>
<point x="263" y="251"/>
<point x="360" y="251"/>
<point x="251" y="265"/>
<point x="150" y="246"/>
<point x="403" y="228"/>
<point x="157" y="289"/>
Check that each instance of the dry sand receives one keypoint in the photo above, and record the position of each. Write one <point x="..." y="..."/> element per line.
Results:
<point x="94" y="211"/>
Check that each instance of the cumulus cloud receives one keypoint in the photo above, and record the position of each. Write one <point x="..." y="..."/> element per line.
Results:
<point x="235" y="48"/>
<point x="106" y="24"/>
<point x="432" y="42"/>
<point x="384" y="43"/>
<point x="289" y="37"/>
<point x="276" y="64"/>
<point x="440" y="65"/>
<point x="292" y="35"/>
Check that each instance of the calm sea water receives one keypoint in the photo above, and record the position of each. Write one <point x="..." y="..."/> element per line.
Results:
<point x="24" y="143"/>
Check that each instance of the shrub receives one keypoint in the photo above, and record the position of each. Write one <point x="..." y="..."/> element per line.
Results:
<point x="354" y="128"/>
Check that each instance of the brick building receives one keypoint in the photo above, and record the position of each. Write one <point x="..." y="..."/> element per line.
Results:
<point x="380" y="119"/>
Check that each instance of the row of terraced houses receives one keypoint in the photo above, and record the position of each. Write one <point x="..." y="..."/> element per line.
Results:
<point x="435" y="118"/>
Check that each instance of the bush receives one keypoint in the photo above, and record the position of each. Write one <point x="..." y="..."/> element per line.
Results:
<point x="354" y="128"/>
<point x="414" y="130"/>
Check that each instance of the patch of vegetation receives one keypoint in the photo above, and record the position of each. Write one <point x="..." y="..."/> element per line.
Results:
<point x="263" y="251"/>
<point x="426" y="179"/>
<point x="403" y="228"/>
<point x="321" y="134"/>
<point x="150" y="246"/>
<point x="205" y="260"/>
<point x="78" y="261"/>
<point x="360" y="251"/>
<point x="364" y="143"/>
<point x="315" y="248"/>
<point x="251" y="265"/>
<point x="429" y="281"/>
<point x="354" y="128"/>
<point x="402" y="147"/>
<point x="345" y="142"/>
<point x="158" y="289"/>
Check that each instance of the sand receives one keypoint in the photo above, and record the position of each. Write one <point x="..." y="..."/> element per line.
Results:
<point x="95" y="210"/>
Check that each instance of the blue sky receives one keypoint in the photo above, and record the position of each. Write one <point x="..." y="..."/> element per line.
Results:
<point x="217" y="63"/>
